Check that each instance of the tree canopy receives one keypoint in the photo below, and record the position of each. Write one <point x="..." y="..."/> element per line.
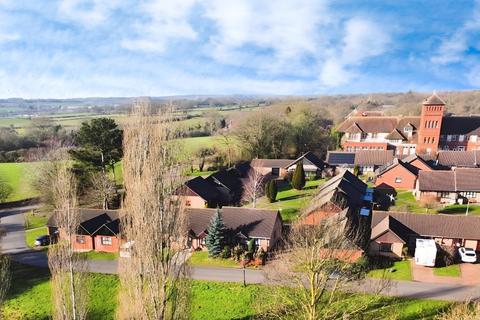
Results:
<point x="215" y="239"/>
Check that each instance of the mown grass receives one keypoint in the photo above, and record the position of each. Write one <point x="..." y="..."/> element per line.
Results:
<point x="201" y="258"/>
<point x="32" y="234"/>
<point x="461" y="209"/>
<point x="401" y="270"/>
<point x="448" y="271"/>
<point x="35" y="220"/>
<point x="20" y="177"/>
<point x="290" y="201"/>
<point x="30" y="298"/>
<point x="95" y="255"/>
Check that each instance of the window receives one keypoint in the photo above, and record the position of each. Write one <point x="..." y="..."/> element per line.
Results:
<point x="405" y="150"/>
<point x="443" y="194"/>
<point x="454" y="138"/>
<point x="407" y="129"/>
<point x="275" y="171"/>
<point x="385" y="247"/>
<point x="349" y="149"/>
<point x="106" y="241"/>
<point x="468" y="194"/>
<point x="202" y="241"/>
<point x="398" y="180"/>
<point x="461" y="138"/>
<point x="473" y="138"/>
<point x="460" y="148"/>
<point x="443" y="137"/>
<point x="188" y="203"/>
<point x="80" y="239"/>
<point x="374" y="135"/>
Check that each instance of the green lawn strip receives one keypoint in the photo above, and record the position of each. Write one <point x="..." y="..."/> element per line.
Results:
<point x="20" y="177"/>
<point x="197" y="173"/>
<point x="95" y="255"/>
<point x="35" y="220"/>
<point x="448" y="271"/>
<point x="32" y="234"/>
<point x="30" y="298"/>
<point x="401" y="270"/>
<point x="201" y="258"/>
<point x="461" y="209"/>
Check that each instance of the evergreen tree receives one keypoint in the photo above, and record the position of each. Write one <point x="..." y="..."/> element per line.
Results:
<point x="215" y="238"/>
<point x="298" y="180"/>
<point x="271" y="190"/>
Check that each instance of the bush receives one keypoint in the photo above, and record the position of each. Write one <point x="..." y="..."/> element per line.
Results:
<point x="237" y="252"/>
<point x="446" y="256"/>
<point x="298" y="180"/>
<point x="288" y="176"/>
<point x="226" y="253"/>
<point x="271" y="190"/>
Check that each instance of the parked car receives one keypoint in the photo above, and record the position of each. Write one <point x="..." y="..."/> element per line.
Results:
<point x="467" y="255"/>
<point x="42" y="240"/>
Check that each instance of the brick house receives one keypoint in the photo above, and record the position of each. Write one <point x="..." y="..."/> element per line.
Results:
<point x="459" y="185"/>
<point x="391" y="232"/>
<point x="367" y="161"/>
<point x="264" y="226"/>
<point x="452" y="159"/>
<point x="427" y="133"/>
<point x="401" y="174"/>
<point x="98" y="231"/>
<point x="312" y="165"/>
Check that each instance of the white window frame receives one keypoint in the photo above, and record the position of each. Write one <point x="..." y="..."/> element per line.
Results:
<point x="398" y="179"/>
<point x="106" y="241"/>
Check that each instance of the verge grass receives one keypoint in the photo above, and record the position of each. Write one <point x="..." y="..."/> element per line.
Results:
<point x="401" y="270"/>
<point x="448" y="271"/>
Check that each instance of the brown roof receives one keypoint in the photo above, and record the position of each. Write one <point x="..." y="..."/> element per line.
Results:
<point x="373" y="157"/>
<point x="460" y="125"/>
<point x="395" y="135"/>
<point x="398" y="162"/>
<point x="270" y="163"/>
<point x="458" y="180"/>
<point x="433" y="225"/>
<point x="92" y="220"/>
<point x="257" y="223"/>
<point x="459" y="158"/>
<point x="434" y="99"/>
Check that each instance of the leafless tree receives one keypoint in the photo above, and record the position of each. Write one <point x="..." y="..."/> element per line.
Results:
<point x="102" y="189"/>
<point x="67" y="268"/>
<point x="316" y="267"/>
<point x="4" y="275"/>
<point x="253" y="187"/>
<point x="153" y="282"/>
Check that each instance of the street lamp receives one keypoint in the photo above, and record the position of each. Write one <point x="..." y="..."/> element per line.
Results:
<point x="468" y="202"/>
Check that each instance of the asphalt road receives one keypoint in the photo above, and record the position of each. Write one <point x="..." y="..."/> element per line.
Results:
<point x="13" y="243"/>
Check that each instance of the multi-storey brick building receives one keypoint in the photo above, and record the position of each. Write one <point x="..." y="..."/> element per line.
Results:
<point x="433" y="130"/>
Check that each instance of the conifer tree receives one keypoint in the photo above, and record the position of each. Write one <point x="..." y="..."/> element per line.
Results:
<point x="216" y="235"/>
<point x="271" y="190"/>
<point x="298" y="180"/>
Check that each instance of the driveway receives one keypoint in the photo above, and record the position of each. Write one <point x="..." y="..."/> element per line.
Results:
<point x="13" y="243"/>
<point x="470" y="275"/>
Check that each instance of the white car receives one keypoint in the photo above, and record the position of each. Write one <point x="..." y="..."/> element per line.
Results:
<point x="467" y="255"/>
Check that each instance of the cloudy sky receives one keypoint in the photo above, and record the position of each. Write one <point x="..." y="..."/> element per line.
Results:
<point x="78" y="48"/>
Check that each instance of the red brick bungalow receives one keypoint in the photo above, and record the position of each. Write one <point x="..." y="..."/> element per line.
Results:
<point x="401" y="174"/>
<point x="264" y="226"/>
<point x="98" y="231"/>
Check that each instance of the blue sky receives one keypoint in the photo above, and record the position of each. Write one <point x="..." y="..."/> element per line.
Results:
<point x="78" y="48"/>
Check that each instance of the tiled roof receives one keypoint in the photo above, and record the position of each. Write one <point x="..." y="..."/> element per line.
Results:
<point x="460" y="125"/>
<point x="459" y="158"/>
<point x="373" y="157"/>
<point x="203" y="189"/>
<point x="308" y="158"/>
<point x="395" y="135"/>
<point x="398" y="162"/>
<point x="458" y="180"/>
<point x="257" y="223"/>
<point x="91" y="220"/>
<point x="434" y="225"/>
<point x="434" y="99"/>
<point x="270" y="163"/>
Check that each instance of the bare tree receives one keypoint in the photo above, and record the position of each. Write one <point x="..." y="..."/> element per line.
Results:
<point x="102" y="190"/>
<point x="317" y="267"/>
<point x="253" y="187"/>
<point x="152" y="278"/>
<point x="67" y="268"/>
<point x="4" y="275"/>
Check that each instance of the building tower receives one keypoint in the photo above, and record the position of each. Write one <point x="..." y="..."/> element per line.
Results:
<point x="430" y="124"/>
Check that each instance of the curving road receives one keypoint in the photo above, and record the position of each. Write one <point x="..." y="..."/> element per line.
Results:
<point x="13" y="243"/>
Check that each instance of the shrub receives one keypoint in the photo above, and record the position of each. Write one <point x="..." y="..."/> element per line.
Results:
<point x="226" y="253"/>
<point x="237" y="252"/>
<point x="271" y="190"/>
<point x="298" y="180"/>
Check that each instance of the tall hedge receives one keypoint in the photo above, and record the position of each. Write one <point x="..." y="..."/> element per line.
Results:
<point x="271" y="190"/>
<point x="298" y="179"/>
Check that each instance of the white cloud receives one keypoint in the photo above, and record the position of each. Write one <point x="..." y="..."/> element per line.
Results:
<point x="363" y="39"/>
<point x="88" y="13"/>
<point x="453" y="48"/>
<point x="167" y="21"/>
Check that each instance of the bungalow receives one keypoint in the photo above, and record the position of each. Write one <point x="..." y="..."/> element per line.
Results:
<point x="312" y="165"/>
<point x="98" y="231"/>
<point x="365" y="160"/>
<point x="459" y="185"/>
<point x="344" y="199"/>
<point x="264" y="226"/>
<point x="400" y="174"/>
<point x="451" y="159"/>
<point x="198" y="193"/>
<point x="394" y="231"/>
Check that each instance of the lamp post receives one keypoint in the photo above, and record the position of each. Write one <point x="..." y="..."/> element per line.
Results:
<point x="468" y="202"/>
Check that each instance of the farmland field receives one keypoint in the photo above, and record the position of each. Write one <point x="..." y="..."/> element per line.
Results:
<point x="19" y="176"/>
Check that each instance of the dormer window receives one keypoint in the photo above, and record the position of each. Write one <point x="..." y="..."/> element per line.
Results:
<point x="408" y="129"/>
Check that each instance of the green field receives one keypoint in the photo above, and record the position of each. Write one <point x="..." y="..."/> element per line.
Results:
<point x="19" y="176"/>
<point x="401" y="270"/>
<point x="29" y="299"/>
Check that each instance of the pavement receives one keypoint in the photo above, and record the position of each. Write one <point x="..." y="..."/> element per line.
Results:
<point x="13" y="243"/>
<point x="469" y="275"/>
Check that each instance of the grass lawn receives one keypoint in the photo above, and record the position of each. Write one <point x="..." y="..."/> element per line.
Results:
<point x="35" y="220"/>
<point x="30" y="298"/>
<point x="32" y="234"/>
<point x="201" y="258"/>
<point x="449" y="271"/>
<point x="94" y="255"/>
<point x="197" y="173"/>
<point x="405" y="201"/>
<point x="291" y="201"/>
<point x="19" y="176"/>
<point x="401" y="270"/>
<point x="461" y="209"/>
